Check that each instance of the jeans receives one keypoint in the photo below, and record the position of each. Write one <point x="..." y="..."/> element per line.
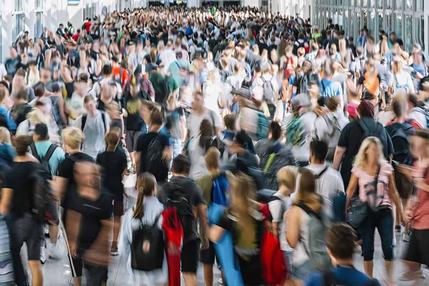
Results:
<point x="383" y="221"/>
<point x="95" y="275"/>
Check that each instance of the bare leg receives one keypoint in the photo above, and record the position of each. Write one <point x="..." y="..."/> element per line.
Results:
<point x="53" y="233"/>
<point x="190" y="279"/>
<point x="208" y="274"/>
<point x="77" y="281"/>
<point x="388" y="265"/>
<point x="116" y="228"/>
<point x="368" y="267"/>
<point x="36" y="272"/>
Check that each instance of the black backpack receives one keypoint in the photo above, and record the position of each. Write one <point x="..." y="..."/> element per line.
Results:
<point x="399" y="133"/>
<point x="147" y="247"/>
<point x="44" y="161"/>
<point x="44" y="207"/>
<point x="85" y="117"/>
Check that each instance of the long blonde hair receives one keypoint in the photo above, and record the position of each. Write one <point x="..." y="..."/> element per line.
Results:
<point x="4" y="136"/>
<point x="243" y="204"/>
<point x="361" y="157"/>
<point x="306" y="190"/>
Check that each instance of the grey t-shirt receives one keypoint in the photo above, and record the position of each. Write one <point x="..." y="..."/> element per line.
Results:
<point x="94" y="131"/>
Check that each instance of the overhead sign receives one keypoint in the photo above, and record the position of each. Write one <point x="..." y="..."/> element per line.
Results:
<point x="73" y="2"/>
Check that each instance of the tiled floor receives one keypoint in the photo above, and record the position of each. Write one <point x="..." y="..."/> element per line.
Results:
<point x="57" y="272"/>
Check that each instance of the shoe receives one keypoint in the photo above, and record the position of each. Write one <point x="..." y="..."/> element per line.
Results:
<point x="398" y="228"/>
<point x="43" y="256"/>
<point x="412" y="276"/>
<point x="114" y="251"/>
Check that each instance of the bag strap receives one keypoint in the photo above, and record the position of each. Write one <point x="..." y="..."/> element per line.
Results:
<point x="49" y="153"/>
<point x="309" y="211"/>
<point x="156" y="219"/>
<point x="269" y="162"/>
<point x="83" y="122"/>
<point x="318" y="176"/>
<point x="34" y="152"/>
<point x="103" y="118"/>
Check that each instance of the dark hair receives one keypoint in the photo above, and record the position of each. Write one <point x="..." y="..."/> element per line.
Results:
<point x="412" y="98"/>
<point x="112" y="138"/>
<point x="41" y="130"/>
<point x="146" y="183"/>
<point x="319" y="149"/>
<point x="106" y="70"/>
<point x="341" y="241"/>
<point x="229" y="121"/>
<point x="39" y="89"/>
<point x="156" y="117"/>
<point x="206" y="134"/>
<point x="22" y="94"/>
<point x="275" y="130"/>
<point x="21" y="143"/>
<point x="181" y="165"/>
<point x="332" y="103"/>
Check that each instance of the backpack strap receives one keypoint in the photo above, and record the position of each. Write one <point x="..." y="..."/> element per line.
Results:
<point x="156" y="219"/>
<point x="103" y="118"/>
<point x="309" y="211"/>
<point x="269" y="162"/>
<point x="50" y="152"/>
<point x="318" y="176"/>
<point x="83" y="122"/>
<point x="34" y="152"/>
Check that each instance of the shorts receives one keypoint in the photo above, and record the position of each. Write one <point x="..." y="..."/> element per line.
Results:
<point x="27" y="229"/>
<point x="189" y="256"/>
<point x="208" y="256"/>
<point x="418" y="250"/>
<point x="131" y="137"/>
<point x="303" y="271"/>
<point x="118" y="208"/>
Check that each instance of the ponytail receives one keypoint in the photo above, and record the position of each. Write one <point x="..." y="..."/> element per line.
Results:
<point x="146" y="183"/>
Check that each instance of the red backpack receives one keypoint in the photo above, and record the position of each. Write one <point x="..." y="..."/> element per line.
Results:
<point x="289" y="67"/>
<point x="274" y="270"/>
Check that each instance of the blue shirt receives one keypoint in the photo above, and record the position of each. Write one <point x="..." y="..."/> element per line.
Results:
<point x="11" y="125"/>
<point x="56" y="158"/>
<point x="347" y="276"/>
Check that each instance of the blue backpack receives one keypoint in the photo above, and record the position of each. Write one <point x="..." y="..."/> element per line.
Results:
<point x="219" y="190"/>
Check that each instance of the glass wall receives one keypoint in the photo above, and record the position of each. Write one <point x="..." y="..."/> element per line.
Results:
<point x="405" y="17"/>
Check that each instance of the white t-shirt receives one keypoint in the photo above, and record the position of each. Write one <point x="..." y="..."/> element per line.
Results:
<point x="195" y="119"/>
<point x="278" y="209"/>
<point x="328" y="185"/>
<point x="418" y="116"/>
<point x="323" y="131"/>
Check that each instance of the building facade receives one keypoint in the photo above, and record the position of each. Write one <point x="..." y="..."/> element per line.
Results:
<point x="408" y="18"/>
<point x="34" y="15"/>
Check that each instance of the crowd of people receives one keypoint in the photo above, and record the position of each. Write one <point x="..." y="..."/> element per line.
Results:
<point x="262" y="146"/>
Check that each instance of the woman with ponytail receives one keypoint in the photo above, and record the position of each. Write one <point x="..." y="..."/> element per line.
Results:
<point x="146" y="211"/>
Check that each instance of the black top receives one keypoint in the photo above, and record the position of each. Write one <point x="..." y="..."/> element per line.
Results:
<point x="19" y="112"/>
<point x="133" y="121"/>
<point x="93" y="212"/>
<point x="159" y="167"/>
<point x="179" y="187"/>
<point x="17" y="179"/>
<point x="114" y="164"/>
<point x="351" y="138"/>
<point x="66" y="171"/>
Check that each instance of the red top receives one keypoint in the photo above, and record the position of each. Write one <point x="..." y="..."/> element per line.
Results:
<point x="421" y="201"/>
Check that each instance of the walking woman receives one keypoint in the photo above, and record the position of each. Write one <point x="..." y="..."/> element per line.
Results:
<point x="373" y="176"/>
<point x="245" y="222"/>
<point x="146" y="211"/>
<point x="306" y="228"/>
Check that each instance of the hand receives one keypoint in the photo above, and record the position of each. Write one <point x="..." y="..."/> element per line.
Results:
<point x="205" y="243"/>
<point x="407" y="215"/>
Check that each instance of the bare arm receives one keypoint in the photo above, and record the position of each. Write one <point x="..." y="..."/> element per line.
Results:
<point x="137" y="157"/>
<point x="6" y="198"/>
<point x="204" y="228"/>
<point x="59" y="185"/>
<point x="215" y="233"/>
<point x="338" y="156"/>
<point x="394" y="196"/>
<point x="293" y="227"/>
<point x="351" y="188"/>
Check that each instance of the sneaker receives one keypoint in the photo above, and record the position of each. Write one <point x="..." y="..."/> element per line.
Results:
<point x="398" y="228"/>
<point x="412" y="276"/>
<point x="43" y="256"/>
<point x="114" y="250"/>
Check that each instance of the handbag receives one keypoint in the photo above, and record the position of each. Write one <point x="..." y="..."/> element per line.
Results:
<point x="357" y="212"/>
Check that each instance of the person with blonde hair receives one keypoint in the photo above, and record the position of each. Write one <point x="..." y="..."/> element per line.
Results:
<point x="373" y="176"/>
<point x="64" y="186"/>
<point x="34" y="117"/>
<point x="7" y="153"/>
<point x="244" y="220"/>
<point x="305" y="223"/>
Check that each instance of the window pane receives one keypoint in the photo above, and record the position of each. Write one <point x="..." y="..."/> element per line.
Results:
<point x="408" y="32"/>
<point x="18" y="5"/>
<point x="399" y="4"/>
<point x="398" y="25"/>
<point x="39" y="24"/>
<point x="409" y="4"/>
